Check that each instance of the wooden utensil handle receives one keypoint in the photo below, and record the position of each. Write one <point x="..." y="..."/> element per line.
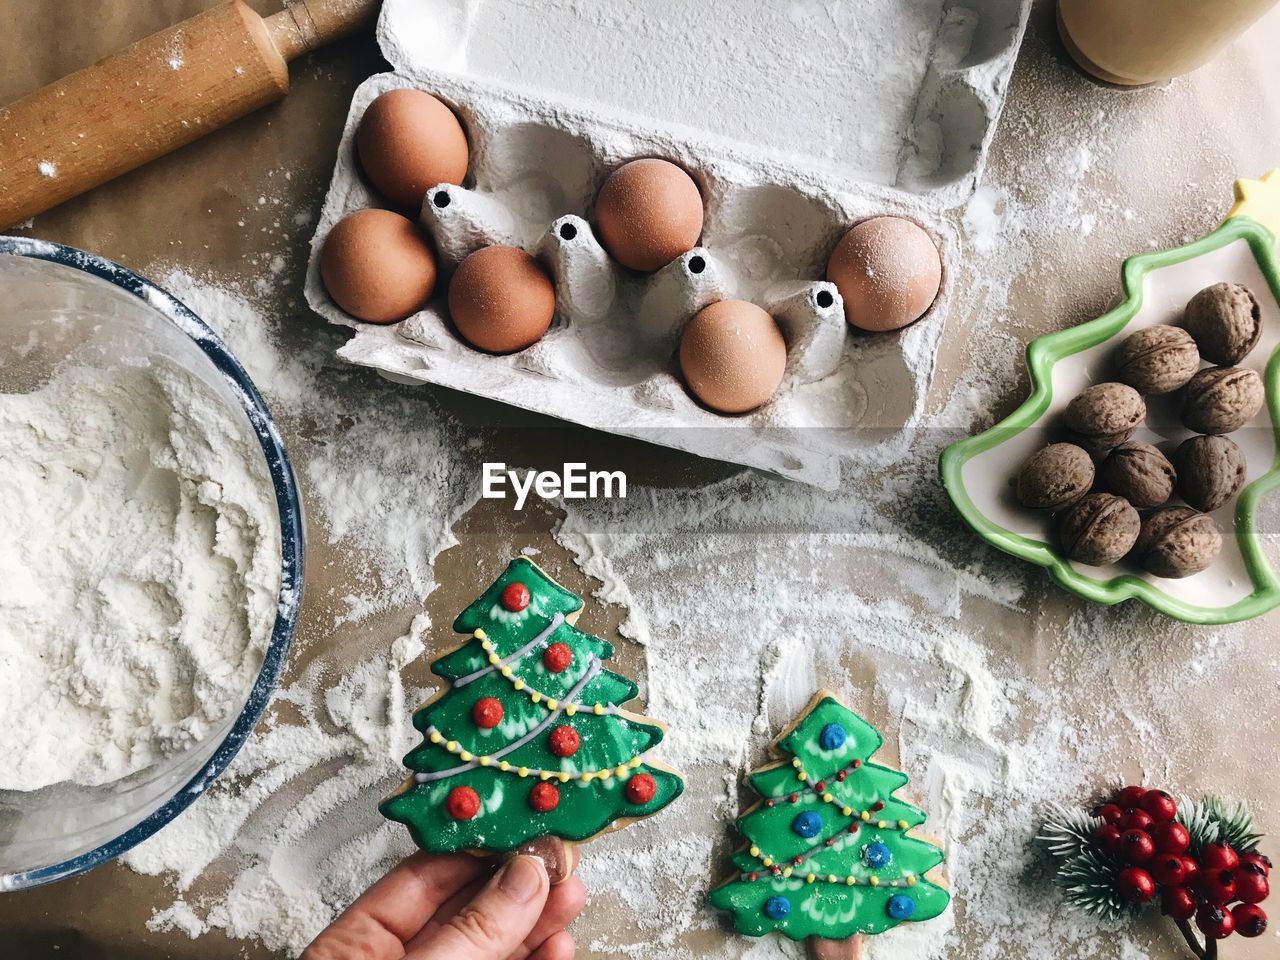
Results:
<point x="159" y="94"/>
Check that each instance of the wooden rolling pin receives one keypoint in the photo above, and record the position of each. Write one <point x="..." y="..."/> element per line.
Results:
<point x="159" y="94"/>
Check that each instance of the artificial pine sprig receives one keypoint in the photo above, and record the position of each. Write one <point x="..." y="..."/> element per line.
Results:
<point x="1197" y="859"/>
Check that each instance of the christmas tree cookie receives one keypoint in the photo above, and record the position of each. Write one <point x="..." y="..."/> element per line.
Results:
<point x="527" y="740"/>
<point x="830" y="855"/>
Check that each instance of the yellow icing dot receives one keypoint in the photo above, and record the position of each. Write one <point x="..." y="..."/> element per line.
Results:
<point x="902" y="824"/>
<point x="544" y="774"/>
<point x="598" y="710"/>
<point x="504" y="766"/>
<point x="479" y="634"/>
<point x="522" y="772"/>
<point x="882" y="824"/>
<point x="535" y="696"/>
<point x="465" y="757"/>
<point x="484" y="761"/>
<point x="634" y="762"/>
<point x="796" y="763"/>
<point x="605" y="774"/>
<point x="866" y="816"/>
<point x="832" y="878"/>
<point x="810" y="878"/>
<point x="570" y="709"/>
<point x="452" y="746"/>
<point x="494" y="659"/>
<point x="767" y="861"/>
<point x="436" y="736"/>
<point x="874" y="881"/>
<point x="518" y="684"/>
<point x="563" y="777"/>
<point x="620" y="770"/>
<point x="755" y="851"/>
<point x="551" y="704"/>
<point x="586" y="777"/>
<point x="847" y="811"/>
<point x="787" y="872"/>
<point x="802" y="776"/>
<point x="827" y="797"/>
<point x="506" y="672"/>
<point x="486" y="645"/>
<point x="911" y="880"/>
<point x="850" y="880"/>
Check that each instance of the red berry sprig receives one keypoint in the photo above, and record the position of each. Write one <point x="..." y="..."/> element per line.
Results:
<point x="1215" y="886"/>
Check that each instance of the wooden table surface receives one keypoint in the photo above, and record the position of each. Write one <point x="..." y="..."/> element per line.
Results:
<point x="199" y="209"/>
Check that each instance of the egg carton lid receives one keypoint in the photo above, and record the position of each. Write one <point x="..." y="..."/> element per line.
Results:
<point x="900" y="93"/>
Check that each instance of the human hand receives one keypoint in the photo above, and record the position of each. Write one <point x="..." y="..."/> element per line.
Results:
<point x="457" y="907"/>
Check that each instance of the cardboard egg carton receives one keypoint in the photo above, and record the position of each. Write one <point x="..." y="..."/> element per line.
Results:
<point x="554" y="98"/>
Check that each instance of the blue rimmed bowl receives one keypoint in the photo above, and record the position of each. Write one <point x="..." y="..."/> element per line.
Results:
<point x="57" y="299"/>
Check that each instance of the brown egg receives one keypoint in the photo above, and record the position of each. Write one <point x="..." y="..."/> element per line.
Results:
<point x="648" y="213"/>
<point x="408" y="141"/>
<point x="378" y="266"/>
<point x="732" y="356"/>
<point x="501" y="300"/>
<point x="888" y="271"/>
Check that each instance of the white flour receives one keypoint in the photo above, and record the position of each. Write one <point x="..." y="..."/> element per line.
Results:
<point x="139" y="570"/>
<point x="745" y="594"/>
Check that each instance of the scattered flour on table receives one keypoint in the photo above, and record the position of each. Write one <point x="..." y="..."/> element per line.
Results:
<point x="744" y="595"/>
<point x="139" y="571"/>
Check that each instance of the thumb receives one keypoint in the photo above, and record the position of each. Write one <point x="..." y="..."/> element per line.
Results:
<point x="496" y="921"/>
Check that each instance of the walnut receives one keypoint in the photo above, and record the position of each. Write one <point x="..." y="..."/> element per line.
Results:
<point x="1159" y="359"/>
<point x="1222" y="399"/>
<point x="1099" y="529"/>
<point x="1177" y="542"/>
<point x="1211" y="470"/>
<point x="1055" y="477"/>
<point x="1104" y="416"/>
<point x="1140" y="473"/>
<point x="1225" y="321"/>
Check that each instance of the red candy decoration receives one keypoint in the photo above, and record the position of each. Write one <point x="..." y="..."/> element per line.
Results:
<point x="463" y="803"/>
<point x="487" y="712"/>
<point x="1130" y="797"/>
<point x="640" y="788"/>
<point x="544" y="797"/>
<point x="1109" y="812"/>
<point x="1135" y="885"/>
<point x="1135" y="820"/>
<point x="564" y="741"/>
<point x="1159" y="805"/>
<point x="1215" y="922"/>
<point x="1169" y="871"/>
<point x="515" y="597"/>
<point x="1171" y="837"/>
<point x="1219" y="856"/>
<point x="1251" y="883"/>
<point x="1249" y="919"/>
<point x="1178" y="902"/>
<point x="1136" y="846"/>
<point x="557" y="657"/>
<point x="1107" y="837"/>
<point x="1216" y="886"/>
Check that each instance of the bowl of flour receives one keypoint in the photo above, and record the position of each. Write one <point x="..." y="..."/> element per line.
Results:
<point x="150" y="559"/>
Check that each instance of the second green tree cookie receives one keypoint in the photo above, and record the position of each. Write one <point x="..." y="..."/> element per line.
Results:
<point x="830" y="853"/>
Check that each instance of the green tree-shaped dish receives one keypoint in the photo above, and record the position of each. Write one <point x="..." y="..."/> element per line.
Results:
<point x="976" y="472"/>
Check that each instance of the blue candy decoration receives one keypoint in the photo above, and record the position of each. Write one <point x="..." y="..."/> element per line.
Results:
<point x="807" y="824"/>
<point x="900" y="906"/>
<point x="775" y="908"/>
<point x="832" y="737"/>
<point x="877" y="855"/>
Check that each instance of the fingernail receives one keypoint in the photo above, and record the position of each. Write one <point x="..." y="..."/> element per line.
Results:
<point x="522" y="879"/>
